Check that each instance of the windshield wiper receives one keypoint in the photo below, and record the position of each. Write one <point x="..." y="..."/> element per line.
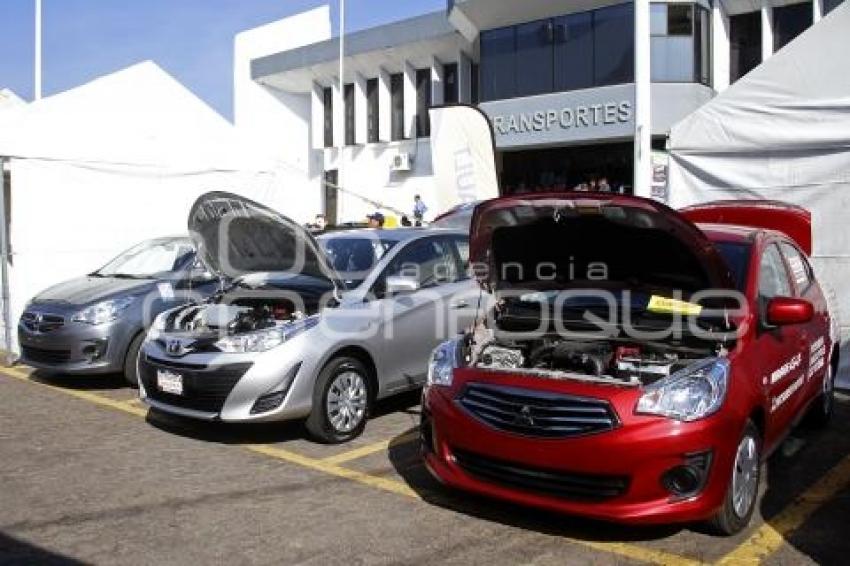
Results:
<point x="128" y="276"/>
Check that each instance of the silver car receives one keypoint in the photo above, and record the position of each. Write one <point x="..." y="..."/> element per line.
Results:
<point x="95" y="324"/>
<point x="309" y="328"/>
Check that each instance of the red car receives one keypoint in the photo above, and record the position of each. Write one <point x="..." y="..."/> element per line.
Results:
<point x="634" y="367"/>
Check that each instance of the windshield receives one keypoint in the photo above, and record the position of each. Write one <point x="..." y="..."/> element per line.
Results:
<point x="354" y="257"/>
<point x="149" y="259"/>
<point x="737" y="256"/>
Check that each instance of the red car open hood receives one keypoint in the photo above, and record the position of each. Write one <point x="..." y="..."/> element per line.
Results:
<point x="560" y="240"/>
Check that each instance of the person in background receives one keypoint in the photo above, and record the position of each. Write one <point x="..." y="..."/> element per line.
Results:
<point x="419" y="210"/>
<point x="603" y="186"/>
<point x="405" y="221"/>
<point x="321" y="223"/>
<point x="376" y="220"/>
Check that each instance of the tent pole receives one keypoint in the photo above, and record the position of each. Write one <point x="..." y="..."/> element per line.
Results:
<point x="4" y="263"/>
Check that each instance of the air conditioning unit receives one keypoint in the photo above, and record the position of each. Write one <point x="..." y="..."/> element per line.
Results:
<point x="402" y="162"/>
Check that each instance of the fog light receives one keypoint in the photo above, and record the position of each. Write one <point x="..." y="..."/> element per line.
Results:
<point x="94" y="350"/>
<point x="687" y="479"/>
<point x="268" y="402"/>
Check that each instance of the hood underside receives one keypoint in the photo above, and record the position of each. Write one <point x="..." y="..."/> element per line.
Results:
<point x="580" y="241"/>
<point x="236" y="236"/>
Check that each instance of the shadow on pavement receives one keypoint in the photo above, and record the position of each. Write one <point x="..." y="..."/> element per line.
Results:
<point x="105" y="382"/>
<point x="15" y="551"/>
<point x="263" y="433"/>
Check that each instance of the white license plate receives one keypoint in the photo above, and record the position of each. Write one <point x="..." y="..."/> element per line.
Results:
<point x="169" y="382"/>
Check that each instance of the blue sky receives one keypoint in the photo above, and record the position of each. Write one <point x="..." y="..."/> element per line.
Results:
<point x="191" y="39"/>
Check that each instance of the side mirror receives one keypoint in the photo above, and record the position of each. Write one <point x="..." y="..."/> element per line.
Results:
<point x="782" y="311"/>
<point x="399" y="284"/>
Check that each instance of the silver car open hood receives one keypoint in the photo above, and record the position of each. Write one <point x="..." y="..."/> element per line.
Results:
<point x="235" y="236"/>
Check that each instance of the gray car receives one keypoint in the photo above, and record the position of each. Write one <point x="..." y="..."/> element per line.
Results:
<point x="315" y="329"/>
<point x="95" y="324"/>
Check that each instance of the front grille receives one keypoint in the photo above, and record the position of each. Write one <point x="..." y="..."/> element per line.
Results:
<point x="203" y="389"/>
<point x="43" y="356"/>
<point x="38" y="322"/>
<point x="567" y="485"/>
<point x="537" y="413"/>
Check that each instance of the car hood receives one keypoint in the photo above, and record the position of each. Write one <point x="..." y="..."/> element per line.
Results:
<point x="90" y="289"/>
<point x="235" y="236"/>
<point x="561" y="241"/>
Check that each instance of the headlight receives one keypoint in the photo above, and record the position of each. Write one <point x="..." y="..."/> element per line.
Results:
<point x="689" y="394"/>
<point x="158" y="326"/>
<point x="444" y="360"/>
<point x="262" y="340"/>
<point x="103" y="312"/>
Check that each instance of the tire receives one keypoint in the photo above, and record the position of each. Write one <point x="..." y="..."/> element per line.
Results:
<point x="742" y="495"/>
<point x="824" y="406"/>
<point x="341" y="401"/>
<point x="131" y="368"/>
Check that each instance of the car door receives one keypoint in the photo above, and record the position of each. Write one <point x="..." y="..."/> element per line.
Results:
<point x="413" y="323"/>
<point x="779" y="350"/>
<point x="466" y="298"/>
<point x="815" y="333"/>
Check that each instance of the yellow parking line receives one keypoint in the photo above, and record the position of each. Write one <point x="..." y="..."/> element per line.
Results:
<point x="85" y="395"/>
<point x="379" y="446"/>
<point x="770" y="536"/>
<point x="333" y="469"/>
<point x="625" y="550"/>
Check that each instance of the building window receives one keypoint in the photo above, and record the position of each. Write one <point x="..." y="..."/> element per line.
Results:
<point x="680" y="43"/>
<point x="423" y="102"/>
<point x="328" y="102"/>
<point x="614" y="45"/>
<point x="789" y="22"/>
<point x="397" y="106"/>
<point x="594" y="48"/>
<point x="744" y="44"/>
<point x="498" y="67"/>
<point x="348" y="96"/>
<point x="450" y="85"/>
<point x="574" y="51"/>
<point x="475" y="82"/>
<point x="534" y="53"/>
<point x="372" y="112"/>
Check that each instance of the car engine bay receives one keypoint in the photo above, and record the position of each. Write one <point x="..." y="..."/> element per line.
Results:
<point x="233" y="317"/>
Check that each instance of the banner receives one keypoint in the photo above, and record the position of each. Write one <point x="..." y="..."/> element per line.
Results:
<point x="463" y="156"/>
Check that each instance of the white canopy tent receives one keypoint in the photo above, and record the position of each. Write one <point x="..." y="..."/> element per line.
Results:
<point x="100" y="167"/>
<point x="782" y="132"/>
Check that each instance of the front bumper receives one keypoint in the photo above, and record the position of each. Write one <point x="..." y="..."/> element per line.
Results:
<point x="230" y="387"/>
<point x="466" y="453"/>
<point x="76" y="348"/>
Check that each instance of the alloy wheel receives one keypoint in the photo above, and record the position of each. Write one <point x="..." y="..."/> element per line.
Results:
<point x="346" y="401"/>
<point x="745" y="476"/>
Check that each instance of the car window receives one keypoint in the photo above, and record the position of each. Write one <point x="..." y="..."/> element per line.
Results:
<point x="461" y="244"/>
<point x="800" y="269"/>
<point x="354" y="257"/>
<point x="430" y="261"/>
<point x="773" y="277"/>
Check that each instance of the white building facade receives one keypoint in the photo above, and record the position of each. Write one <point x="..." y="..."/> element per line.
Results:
<point x="555" y="77"/>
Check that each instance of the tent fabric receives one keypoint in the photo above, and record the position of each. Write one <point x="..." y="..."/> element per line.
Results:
<point x="782" y="132"/>
<point x="97" y="169"/>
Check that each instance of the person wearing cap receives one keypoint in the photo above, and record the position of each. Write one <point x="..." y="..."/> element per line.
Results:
<point x="376" y="220"/>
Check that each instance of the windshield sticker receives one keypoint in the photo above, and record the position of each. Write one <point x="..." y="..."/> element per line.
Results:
<point x="780" y="400"/>
<point x="782" y="371"/>
<point x="667" y="305"/>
